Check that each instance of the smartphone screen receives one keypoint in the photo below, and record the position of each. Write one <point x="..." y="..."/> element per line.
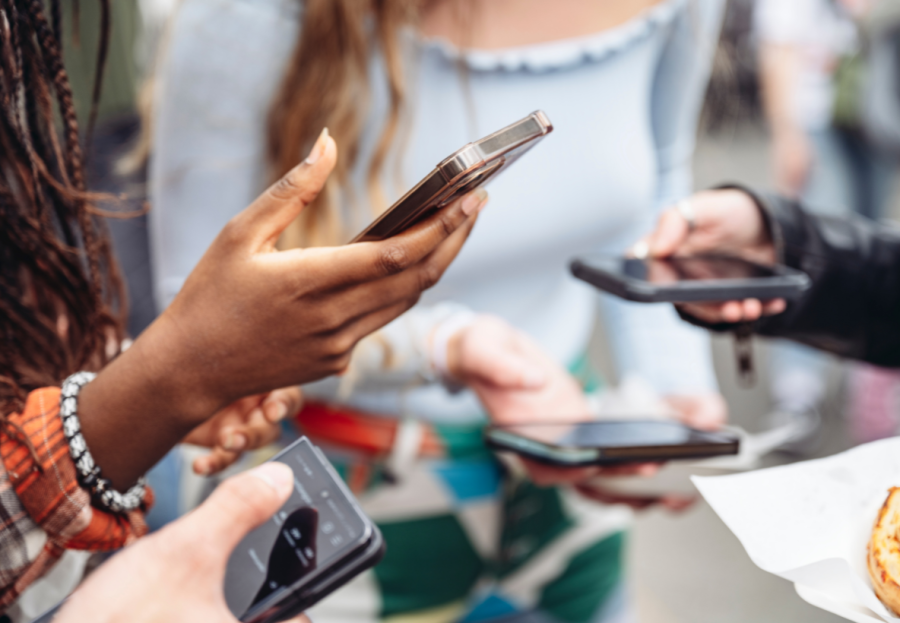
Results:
<point x="319" y="525"/>
<point x="676" y="269"/>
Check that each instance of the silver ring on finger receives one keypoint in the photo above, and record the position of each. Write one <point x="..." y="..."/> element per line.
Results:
<point x="686" y="210"/>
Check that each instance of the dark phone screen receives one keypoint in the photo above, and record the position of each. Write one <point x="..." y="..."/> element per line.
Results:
<point x="317" y="525"/>
<point x="615" y="434"/>
<point x="702" y="268"/>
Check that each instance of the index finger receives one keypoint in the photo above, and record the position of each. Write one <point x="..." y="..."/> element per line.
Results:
<point x="369" y="261"/>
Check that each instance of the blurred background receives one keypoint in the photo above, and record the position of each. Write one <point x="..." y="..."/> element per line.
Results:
<point x="686" y="567"/>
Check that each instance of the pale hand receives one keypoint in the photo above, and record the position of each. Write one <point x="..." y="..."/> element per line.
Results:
<point x="176" y="575"/>
<point x="726" y="221"/>
<point x="517" y="383"/>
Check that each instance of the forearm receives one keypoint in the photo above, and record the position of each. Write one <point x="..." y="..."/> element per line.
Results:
<point x="853" y="306"/>
<point x="141" y="405"/>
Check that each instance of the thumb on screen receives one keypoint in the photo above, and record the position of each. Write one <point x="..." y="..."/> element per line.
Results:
<point x="240" y="504"/>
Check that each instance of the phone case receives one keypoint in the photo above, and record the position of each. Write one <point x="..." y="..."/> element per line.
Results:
<point x="498" y="439"/>
<point x="787" y="283"/>
<point x="469" y="168"/>
<point x="333" y="577"/>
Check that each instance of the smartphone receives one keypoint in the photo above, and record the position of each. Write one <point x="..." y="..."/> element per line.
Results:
<point x="686" y="279"/>
<point x="609" y="442"/>
<point x="318" y="541"/>
<point x="465" y="170"/>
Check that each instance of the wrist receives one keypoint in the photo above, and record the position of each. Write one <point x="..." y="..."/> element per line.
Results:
<point x="765" y="246"/>
<point x="170" y="365"/>
<point x="142" y="404"/>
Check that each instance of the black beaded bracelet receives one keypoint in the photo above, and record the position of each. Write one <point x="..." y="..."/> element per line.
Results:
<point x="88" y="472"/>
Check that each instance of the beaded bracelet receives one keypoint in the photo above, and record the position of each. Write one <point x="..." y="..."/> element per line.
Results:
<point x="101" y="489"/>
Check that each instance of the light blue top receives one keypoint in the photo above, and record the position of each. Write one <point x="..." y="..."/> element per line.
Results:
<point x="624" y="104"/>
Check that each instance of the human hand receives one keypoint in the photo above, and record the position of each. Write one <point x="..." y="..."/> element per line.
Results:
<point x="517" y="382"/>
<point x="706" y="411"/>
<point x="670" y="501"/>
<point x="176" y="574"/>
<point x="301" y="311"/>
<point x="251" y="318"/>
<point x="726" y="221"/>
<point x="512" y="376"/>
<point x="247" y="424"/>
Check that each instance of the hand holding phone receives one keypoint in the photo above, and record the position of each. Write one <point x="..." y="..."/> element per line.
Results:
<point x="687" y="279"/>
<point x="315" y="543"/>
<point x="175" y="574"/>
<point x="725" y="221"/>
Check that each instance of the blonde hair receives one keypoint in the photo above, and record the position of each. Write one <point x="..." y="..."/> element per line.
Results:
<point x="327" y="85"/>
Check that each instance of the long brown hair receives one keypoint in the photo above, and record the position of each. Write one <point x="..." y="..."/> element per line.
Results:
<point x="61" y="298"/>
<point x="327" y="85"/>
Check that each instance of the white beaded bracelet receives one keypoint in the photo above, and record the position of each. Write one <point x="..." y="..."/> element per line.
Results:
<point x="88" y="472"/>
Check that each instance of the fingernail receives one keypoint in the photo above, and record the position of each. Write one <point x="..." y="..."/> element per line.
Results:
<point x="640" y="250"/>
<point x="277" y="475"/>
<point x="474" y="201"/>
<point x="275" y="412"/>
<point x="318" y="149"/>
<point x="234" y="442"/>
<point x="202" y="467"/>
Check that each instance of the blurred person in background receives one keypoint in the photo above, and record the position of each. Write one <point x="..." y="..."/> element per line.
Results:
<point x="244" y="86"/>
<point x="809" y="64"/>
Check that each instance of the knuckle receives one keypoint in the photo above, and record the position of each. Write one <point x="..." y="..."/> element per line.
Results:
<point x="324" y="320"/>
<point x="411" y="302"/>
<point x="241" y="497"/>
<point x="446" y="223"/>
<point x="342" y="344"/>
<point x="287" y="187"/>
<point x="429" y="275"/>
<point x="394" y="259"/>
<point x="342" y="363"/>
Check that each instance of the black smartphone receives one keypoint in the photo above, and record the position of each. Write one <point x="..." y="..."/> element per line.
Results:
<point x="691" y="278"/>
<point x="609" y="442"/>
<point x="471" y="166"/>
<point x="318" y="541"/>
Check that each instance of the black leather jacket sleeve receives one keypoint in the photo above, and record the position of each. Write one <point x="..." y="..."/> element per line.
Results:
<point x="853" y="306"/>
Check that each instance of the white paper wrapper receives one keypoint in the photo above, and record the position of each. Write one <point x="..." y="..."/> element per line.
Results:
<point x="810" y="522"/>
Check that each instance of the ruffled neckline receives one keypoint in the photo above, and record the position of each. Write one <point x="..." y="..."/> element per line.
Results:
<point x="541" y="57"/>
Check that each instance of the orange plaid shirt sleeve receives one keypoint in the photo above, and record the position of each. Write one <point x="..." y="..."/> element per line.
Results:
<point x="43" y="510"/>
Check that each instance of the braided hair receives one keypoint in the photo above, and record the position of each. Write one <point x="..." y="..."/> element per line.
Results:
<point x="61" y="296"/>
